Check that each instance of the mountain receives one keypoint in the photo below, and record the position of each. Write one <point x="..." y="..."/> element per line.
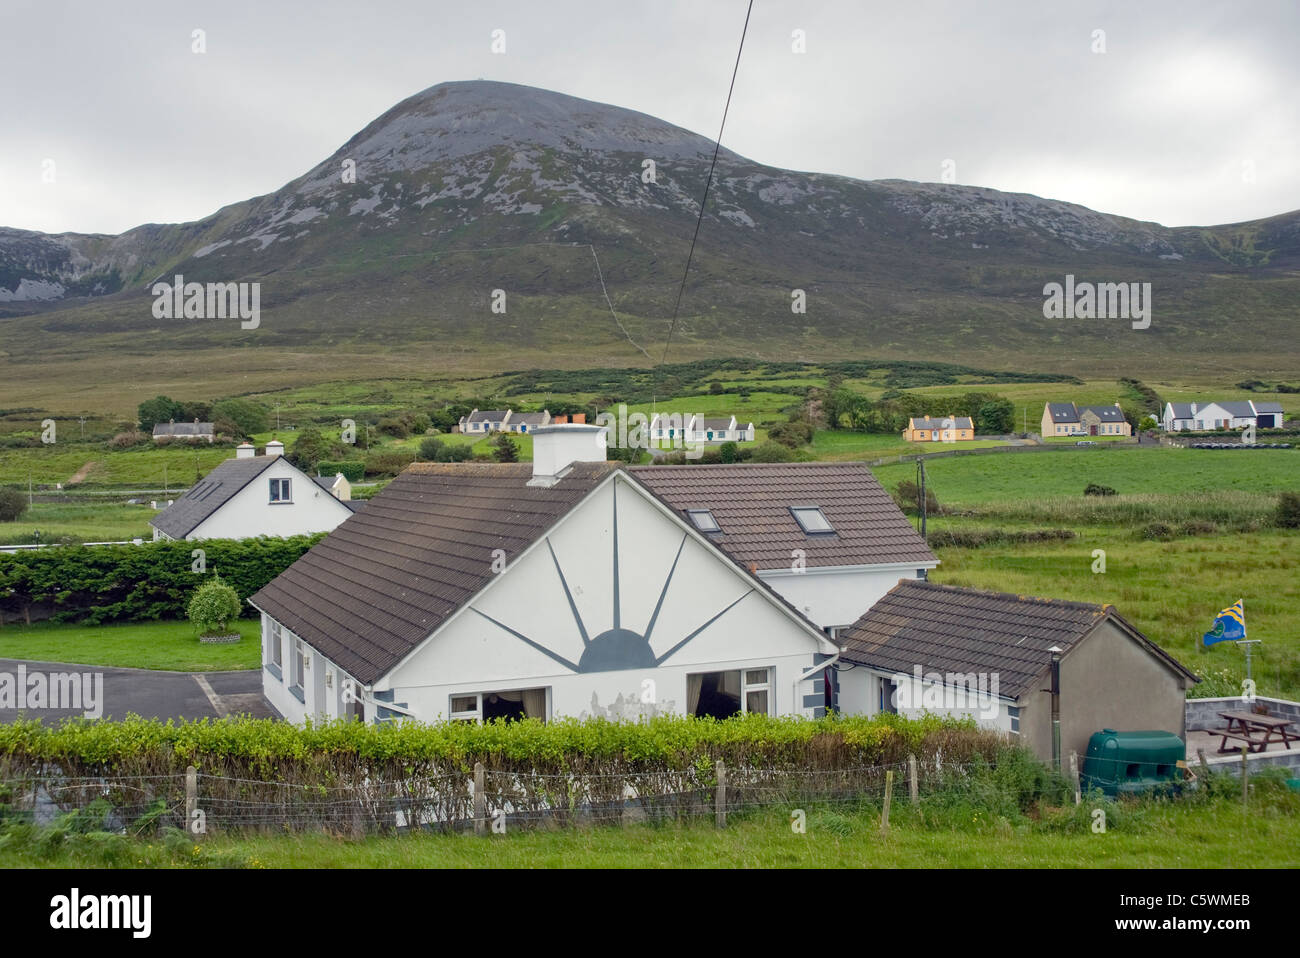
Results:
<point x="472" y="187"/>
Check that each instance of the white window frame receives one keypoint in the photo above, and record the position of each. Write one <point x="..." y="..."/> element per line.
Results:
<point x="288" y="490"/>
<point x="746" y="687"/>
<point x="828" y="531"/>
<point x="477" y="714"/>
<point x="298" y="666"/>
<point x="276" y="641"/>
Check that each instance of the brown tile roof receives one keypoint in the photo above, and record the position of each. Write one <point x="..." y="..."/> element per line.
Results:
<point x="944" y="628"/>
<point x="387" y="577"/>
<point x="752" y="505"/>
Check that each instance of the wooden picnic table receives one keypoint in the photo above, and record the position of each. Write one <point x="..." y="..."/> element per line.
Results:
<point x="1257" y="731"/>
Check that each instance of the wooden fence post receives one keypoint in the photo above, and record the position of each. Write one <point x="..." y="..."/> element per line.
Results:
<point x="191" y="798"/>
<point x="720" y="797"/>
<point x="480" y="801"/>
<point x="1245" y="780"/>
<point x="1074" y="776"/>
<point x="889" y="794"/>
<point x="913" y="786"/>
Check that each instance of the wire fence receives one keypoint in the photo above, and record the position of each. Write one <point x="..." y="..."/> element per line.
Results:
<point x="490" y="799"/>
<point x="471" y="799"/>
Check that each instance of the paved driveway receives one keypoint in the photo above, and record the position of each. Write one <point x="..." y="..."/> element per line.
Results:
<point x="146" y="692"/>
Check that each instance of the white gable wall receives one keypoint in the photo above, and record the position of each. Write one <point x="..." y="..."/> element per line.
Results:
<point x="837" y="596"/>
<point x="472" y="654"/>
<point x="250" y="512"/>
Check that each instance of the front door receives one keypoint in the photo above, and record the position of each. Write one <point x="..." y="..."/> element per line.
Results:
<point x="1092" y="430"/>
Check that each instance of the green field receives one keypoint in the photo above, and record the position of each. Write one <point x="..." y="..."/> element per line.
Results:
<point x="1014" y="477"/>
<point x="1190" y="834"/>
<point x="172" y="646"/>
<point x="81" y="521"/>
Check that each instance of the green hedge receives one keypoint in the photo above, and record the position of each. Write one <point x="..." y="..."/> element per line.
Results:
<point x="95" y="584"/>
<point x="353" y="470"/>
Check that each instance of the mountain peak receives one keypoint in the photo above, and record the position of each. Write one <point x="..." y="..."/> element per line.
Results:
<point x="463" y="118"/>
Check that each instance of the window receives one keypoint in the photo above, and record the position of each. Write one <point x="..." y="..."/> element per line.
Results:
<point x="510" y="705"/>
<point x="299" y="662"/>
<point x="723" y="694"/>
<point x="704" y="520"/>
<point x="280" y="490"/>
<point x="811" y="520"/>
<point x="274" y="652"/>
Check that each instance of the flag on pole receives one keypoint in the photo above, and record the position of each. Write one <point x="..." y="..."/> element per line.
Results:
<point x="1229" y="625"/>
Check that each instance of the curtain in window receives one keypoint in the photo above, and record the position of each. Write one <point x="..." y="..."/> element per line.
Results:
<point x="535" y="703"/>
<point x="694" y="683"/>
<point x="730" y="684"/>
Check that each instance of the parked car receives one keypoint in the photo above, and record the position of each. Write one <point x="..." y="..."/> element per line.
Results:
<point x="1085" y="442"/>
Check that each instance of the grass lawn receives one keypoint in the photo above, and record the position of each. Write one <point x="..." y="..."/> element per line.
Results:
<point x="173" y="646"/>
<point x="83" y="521"/>
<point x="1011" y="477"/>
<point x="130" y="468"/>
<point x="1163" y="835"/>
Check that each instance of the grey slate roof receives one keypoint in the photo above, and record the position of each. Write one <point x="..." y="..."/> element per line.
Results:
<point x="1237" y="408"/>
<point x="182" y="429"/>
<point x="1063" y="412"/>
<point x="715" y="423"/>
<point x="209" y="494"/>
<point x="944" y="628"/>
<point x="1104" y="413"/>
<point x="751" y="503"/>
<point x="943" y="422"/>
<point x="1268" y="407"/>
<point x="529" y="418"/>
<point x="387" y="577"/>
<point x="1182" y="410"/>
<point x="487" y="415"/>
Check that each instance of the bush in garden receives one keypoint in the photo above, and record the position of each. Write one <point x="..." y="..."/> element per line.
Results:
<point x="12" y="504"/>
<point x="214" y="606"/>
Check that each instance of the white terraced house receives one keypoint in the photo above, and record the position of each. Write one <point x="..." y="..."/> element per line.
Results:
<point x="699" y="429"/>
<point x="1203" y="416"/>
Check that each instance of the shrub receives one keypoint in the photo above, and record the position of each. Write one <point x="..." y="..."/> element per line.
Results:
<point x="1159" y="531"/>
<point x="1093" y="489"/>
<point x="728" y="452"/>
<point x="213" y="607"/>
<point x="127" y="440"/>
<point x="770" y="451"/>
<point x="795" y="432"/>
<point x="1199" y="527"/>
<point x="907" y="494"/>
<point x="136" y="583"/>
<point x="430" y="449"/>
<point x="12" y="504"/>
<point x="387" y="463"/>
<point x="353" y="470"/>
<point x="247" y="416"/>
<point x="396" y="428"/>
<point x="1288" y="510"/>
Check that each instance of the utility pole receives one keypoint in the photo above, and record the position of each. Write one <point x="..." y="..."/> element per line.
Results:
<point x="81" y="421"/>
<point x="921" y="463"/>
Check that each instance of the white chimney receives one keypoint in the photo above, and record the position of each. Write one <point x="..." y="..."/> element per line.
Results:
<point x="1193" y="409"/>
<point x="245" y="450"/>
<point x="556" y="448"/>
<point x="275" y="448"/>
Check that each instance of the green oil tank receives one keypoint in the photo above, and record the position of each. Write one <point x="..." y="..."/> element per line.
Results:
<point x="1124" y="763"/>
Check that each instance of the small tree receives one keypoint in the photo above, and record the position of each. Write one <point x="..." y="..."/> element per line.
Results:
<point x="1288" y="510"/>
<point x="12" y="504"/>
<point x="727" y="451"/>
<point x="431" y="449"/>
<point x="1147" y="424"/>
<point x="213" y="607"/>
<point x="504" y="449"/>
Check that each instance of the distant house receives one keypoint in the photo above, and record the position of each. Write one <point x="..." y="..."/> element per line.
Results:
<point x="523" y="422"/>
<point x="700" y="429"/>
<point x="187" y="431"/>
<point x="336" y="485"/>
<point x="1067" y="419"/>
<point x="1202" y="416"/>
<point x="967" y="653"/>
<point x="480" y="422"/>
<point x="948" y="429"/>
<point x="251" y="496"/>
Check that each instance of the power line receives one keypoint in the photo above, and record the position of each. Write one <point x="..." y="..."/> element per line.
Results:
<point x="717" y="147"/>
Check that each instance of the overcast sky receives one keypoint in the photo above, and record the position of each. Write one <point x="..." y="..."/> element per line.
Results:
<point x="1190" y="115"/>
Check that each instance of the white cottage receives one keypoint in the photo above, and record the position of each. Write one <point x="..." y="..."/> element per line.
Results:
<point x="572" y="587"/>
<point x="251" y="496"/>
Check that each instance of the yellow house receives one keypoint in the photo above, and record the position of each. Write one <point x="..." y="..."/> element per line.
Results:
<point x="1067" y="419"/>
<point x="948" y="429"/>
